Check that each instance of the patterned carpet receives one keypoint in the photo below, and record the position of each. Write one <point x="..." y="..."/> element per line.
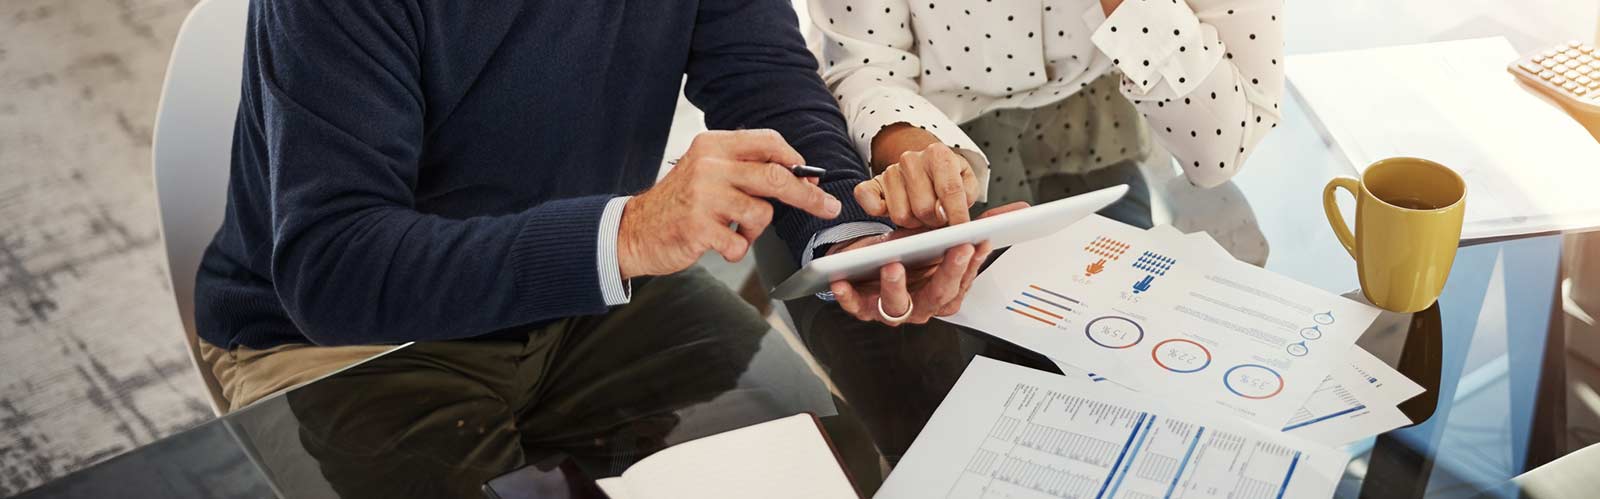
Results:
<point x="91" y="356"/>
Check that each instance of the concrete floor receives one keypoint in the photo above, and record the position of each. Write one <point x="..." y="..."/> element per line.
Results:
<point x="91" y="355"/>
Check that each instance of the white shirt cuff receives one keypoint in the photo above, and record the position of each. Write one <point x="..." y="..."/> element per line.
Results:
<point x="840" y="233"/>
<point x="837" y="234"/>
<point x="1143" y="38"/>
<point x="613" y="289"/>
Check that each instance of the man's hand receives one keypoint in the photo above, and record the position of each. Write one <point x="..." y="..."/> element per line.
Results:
<point x="722" y="180"/>
<point x="936" y="290"/>
<point x="927" y="188"/>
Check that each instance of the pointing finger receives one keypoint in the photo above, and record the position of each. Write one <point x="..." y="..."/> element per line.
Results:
<point x="946" y="176"/>
<point x="769" y="180"/>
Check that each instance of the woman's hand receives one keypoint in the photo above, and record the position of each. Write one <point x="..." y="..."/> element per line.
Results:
<point x="928" y="188"/>
<point x="901" y="295"/>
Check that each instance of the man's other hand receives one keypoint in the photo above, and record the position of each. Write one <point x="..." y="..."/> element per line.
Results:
<point x="919" y="294"/>
<point x="725" y="178"/>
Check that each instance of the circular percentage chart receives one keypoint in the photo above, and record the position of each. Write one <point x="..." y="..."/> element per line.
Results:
<point x="1297" y="349"/>
<point x="1114" y="332"/>
<point x="1324" y="318"/>
<point x="1181" y="356"/>
<point x="1253" y="381"/>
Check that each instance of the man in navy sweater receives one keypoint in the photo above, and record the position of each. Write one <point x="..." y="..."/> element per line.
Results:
<point x="444" y="171"/>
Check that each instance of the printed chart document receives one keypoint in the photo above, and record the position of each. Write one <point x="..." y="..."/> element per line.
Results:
<point x="1357" y="400"/>
<point x="1454" y="103"/>
<point x="1169" y="320"/>
<point x="1006" y="431"/>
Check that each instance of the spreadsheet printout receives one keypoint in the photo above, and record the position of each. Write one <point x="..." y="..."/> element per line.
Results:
<point x="1013" y="432"/>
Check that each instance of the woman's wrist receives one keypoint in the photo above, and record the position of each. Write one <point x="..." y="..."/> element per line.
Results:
<point x="895" y="140"/>
<point x="1109" y="6"/>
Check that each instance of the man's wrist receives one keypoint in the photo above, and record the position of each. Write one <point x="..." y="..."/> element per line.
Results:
<point x="611" y="255"/>
<point x="842" y="234"/>
<point x="625" y="258"/>
<point x="839" y="237"/>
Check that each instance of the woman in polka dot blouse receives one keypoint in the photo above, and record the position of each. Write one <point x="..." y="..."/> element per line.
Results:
<point x="960" y="101"/>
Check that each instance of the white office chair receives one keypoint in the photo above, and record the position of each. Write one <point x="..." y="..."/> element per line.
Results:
<point x="192" y="149"/>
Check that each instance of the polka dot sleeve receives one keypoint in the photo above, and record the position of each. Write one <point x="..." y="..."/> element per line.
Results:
<point x="867" y="61"/>
<point x="1206" y="74"/>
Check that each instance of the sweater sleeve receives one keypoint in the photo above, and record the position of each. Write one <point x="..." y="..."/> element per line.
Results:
<point x="352" y="259"/>
<point x="749" y="68"/>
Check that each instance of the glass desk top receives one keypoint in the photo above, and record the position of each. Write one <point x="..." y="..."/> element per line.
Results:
<point x="1506" y="355"/>
<point x="1510" y="355"/>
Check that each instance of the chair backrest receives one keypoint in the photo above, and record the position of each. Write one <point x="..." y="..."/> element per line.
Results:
<point x="192" y="146"/>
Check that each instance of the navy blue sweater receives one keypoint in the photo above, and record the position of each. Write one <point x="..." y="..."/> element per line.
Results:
<point x="436" y="169"/>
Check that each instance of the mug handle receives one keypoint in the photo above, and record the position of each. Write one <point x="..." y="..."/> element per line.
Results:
<point x="1330" y="206"/>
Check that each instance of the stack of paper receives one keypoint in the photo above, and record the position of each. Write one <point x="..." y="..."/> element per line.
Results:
<point x="1174" y="318"/>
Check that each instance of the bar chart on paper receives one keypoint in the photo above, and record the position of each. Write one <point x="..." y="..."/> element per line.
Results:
<point x="1043" y="305"/>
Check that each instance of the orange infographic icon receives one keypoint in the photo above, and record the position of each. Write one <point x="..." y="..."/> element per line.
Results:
<point x="1107" y="249"/>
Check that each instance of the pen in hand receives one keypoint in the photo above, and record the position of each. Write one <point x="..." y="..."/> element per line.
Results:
<point x="807" y="171"/>
<point x="802" y="171"/>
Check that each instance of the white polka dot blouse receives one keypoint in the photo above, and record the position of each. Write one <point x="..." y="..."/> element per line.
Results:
<point x="1206" y="74"/>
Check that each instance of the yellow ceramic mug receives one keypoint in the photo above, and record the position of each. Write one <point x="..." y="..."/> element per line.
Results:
<point x="1408" y="224"/>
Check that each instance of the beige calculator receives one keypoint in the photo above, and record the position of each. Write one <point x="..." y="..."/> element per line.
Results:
<point x="1568" y="73"/>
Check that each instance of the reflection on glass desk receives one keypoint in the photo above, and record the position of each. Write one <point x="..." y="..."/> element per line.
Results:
<point x="1510" y="355"/>
<point x="1500" y="356"/>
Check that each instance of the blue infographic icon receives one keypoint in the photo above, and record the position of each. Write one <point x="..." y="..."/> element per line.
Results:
<point x="1143" y="284"/>
<point x="1154" y="263"/>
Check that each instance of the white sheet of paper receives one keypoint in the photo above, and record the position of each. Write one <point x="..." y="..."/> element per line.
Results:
<point x="1010" y="431"/>
<point x="1347" y="406"/>
<point x="782" y="458"/>
<point x="1166" y="320"/>
<point x="1454" y="103"/>
<point x="1206" y="243"/>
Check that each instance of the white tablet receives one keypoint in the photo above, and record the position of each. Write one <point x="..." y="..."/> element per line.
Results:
<point x="1001" y="231"/>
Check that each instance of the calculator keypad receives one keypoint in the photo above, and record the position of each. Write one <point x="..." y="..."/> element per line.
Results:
<point x="1572" y="68"/>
